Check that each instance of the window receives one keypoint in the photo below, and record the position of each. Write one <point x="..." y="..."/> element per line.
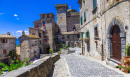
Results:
<point x="78" y="35"/>
<point x="4" y="52"/>
<point x="62" y="36"/>
<point x="40" y="42"/>
<point x="33" y="33"/>
<point x="4" y="40"/>
<point x="68" y="36"/>
<point x="96" y="31"/>
<point x="47" y="15"/>
<point x="84" y="16"/>
<point x="94" y="4"/>
<point x="81" y="34"/>
<point x="81" y="20"/>
<point x="40" y="35"/>
<point x="87" y="34"/>
<point x="74" y="28"/>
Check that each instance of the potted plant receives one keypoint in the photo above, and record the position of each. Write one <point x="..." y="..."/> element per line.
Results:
<point x="86" y="40"/>
<point x="50" y="51"/>
<point x="83" y="1"/>
<point x="80" y="39"/>
<point x="125" y="67"/>
<point x="126" y="58"/>
<point x="120" y="66"/>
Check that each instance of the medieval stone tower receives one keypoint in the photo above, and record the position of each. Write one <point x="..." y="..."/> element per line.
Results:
<point x="62" y="17"/>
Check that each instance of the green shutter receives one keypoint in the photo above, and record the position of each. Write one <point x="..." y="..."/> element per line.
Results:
<point x="81" y="20"/>
<point x="86" y="34"/>
<point x="94" y="4"/>
<point x="81" y="35"/>
<point x="84" y="15"/>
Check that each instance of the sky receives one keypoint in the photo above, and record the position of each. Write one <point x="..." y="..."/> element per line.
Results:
<point x="18" y="15"/>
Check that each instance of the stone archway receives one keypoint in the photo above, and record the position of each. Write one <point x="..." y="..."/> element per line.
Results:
<point x="121" y="35"/>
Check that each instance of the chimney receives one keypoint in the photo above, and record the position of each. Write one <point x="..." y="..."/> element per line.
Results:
<point x="8" y="33"/>
<point x="23" y="33"/>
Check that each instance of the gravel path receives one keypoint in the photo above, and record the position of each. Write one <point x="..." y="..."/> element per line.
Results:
<point x="80" y="66"/>
<point x="61" y="68"/>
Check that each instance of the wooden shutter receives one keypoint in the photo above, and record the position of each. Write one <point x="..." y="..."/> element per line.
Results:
<point x="1" y="40"/>
<point x="86" y="34"/>
<point x="84" y="15"/>
<point x="81" y="35"/>
<point x="4" y="52"/>
<point x="94" y="4"/>
<point x="6" y="40"/>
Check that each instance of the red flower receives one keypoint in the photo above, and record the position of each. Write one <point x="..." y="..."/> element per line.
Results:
<point x="119" y="64"/>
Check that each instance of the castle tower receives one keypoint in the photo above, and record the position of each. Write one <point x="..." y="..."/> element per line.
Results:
<point x="62" y="16"/>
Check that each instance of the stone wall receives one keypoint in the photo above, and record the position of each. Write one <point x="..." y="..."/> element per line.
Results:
<point x="42" y="68"/>
<point x="113" y="13"/>
<point x="9" y="46"/>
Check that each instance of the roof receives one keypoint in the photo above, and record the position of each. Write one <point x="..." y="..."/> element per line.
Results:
<point x="47" y="13"/>
<point x="30" y="36"/>
<point x="6" y="36"/>
<point x="61" y="5"/>
<point x="71" y="10"/>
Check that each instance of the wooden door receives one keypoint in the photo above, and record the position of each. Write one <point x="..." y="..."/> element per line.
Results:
<point x="116" y="43"/>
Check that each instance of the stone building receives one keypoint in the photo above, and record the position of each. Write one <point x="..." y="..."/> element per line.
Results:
<point x="7" y="44"/>
<point x="48" y="31"/>
<point x="104" y="26"/>
<point x="68" y="22"/>
<point x="29" y="47"/>
<point x="45" y="28"/>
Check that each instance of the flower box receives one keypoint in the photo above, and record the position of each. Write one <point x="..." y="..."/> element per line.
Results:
<point x="81" y="39"/>
<point x="86" y="40"/>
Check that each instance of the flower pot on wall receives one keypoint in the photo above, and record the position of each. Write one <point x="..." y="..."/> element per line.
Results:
<point x="86" y="40"/>
<point x="80" y="39"/>
<point x="126" y="59"/>
<point x="126" y="70"/>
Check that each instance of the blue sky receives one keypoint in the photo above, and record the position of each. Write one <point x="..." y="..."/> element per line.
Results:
<point x="18" y="15"/>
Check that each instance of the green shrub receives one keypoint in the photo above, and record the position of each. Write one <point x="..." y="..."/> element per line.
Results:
<point x="50" y="51"/>
<point x="53" y="51"/>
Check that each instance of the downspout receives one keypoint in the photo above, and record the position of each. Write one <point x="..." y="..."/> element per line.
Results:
<point x="101" y="29"/>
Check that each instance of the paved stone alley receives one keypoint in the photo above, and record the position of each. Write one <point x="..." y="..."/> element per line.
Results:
<point x="81" y="66"/>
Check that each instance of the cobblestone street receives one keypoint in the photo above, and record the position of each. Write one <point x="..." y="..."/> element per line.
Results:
<point x="80" y="66"/>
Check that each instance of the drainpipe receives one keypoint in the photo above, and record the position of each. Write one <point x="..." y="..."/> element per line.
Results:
<point x="101" y="28"/>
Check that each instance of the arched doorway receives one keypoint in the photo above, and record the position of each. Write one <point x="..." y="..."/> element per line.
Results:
<point x="116" y="40"/>
<point x="116" y="43"/>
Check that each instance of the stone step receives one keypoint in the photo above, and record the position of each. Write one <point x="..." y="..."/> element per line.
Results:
<point x="112" y="64"/>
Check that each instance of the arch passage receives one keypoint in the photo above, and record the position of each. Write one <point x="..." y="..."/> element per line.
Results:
<point x="116" y="43"/>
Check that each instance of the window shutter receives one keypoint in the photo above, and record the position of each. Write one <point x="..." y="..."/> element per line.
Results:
<point x="84" y="15"/>
<point x="88" y="34"/>
<point x="6" y="40"/>
<point x="81" y="35"/>
<point x="81" y="20"/>
<point x="94" y="4"/>
<point x="1" y="40"/>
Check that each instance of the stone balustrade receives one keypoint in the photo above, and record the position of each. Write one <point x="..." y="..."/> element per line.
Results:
<point x="42" y="68"/>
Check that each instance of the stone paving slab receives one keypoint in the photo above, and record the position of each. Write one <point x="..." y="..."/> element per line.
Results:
<point x="61" y="68"/>
<point x="80" y="66"/>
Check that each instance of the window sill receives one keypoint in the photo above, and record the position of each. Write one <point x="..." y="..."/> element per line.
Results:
<point x="96" y="38"/>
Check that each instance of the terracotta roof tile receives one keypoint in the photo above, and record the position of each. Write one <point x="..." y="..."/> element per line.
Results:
<point x="6" y="36"/>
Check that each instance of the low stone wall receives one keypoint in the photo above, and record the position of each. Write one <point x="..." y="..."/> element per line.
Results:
<point x="42" y="68"/>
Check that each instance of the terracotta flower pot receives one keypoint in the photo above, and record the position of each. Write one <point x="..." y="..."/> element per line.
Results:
<point x="119" y="68"/>
<point x="126" y="71"/>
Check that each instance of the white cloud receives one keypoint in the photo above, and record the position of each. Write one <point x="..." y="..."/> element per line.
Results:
<point x="1" y="13"/>
<point x="17" y="18"/>
<point x="19" y="32"/>
<point x="15" y="15"/>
